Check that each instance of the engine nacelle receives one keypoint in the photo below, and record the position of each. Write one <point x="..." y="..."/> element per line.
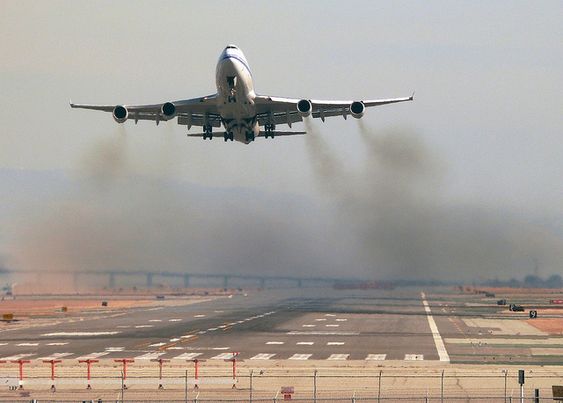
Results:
<point x="120" y="114"/>
<point x="168" y="110"/>
<point x="304" y="107"/>
<point x="357" y="109"/>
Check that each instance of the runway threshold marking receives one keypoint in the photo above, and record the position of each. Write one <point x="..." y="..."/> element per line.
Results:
<point x="376" y="357"/>
<point x="17" y="357"/>
<point x="223" y="356"/>
<point x="92" y="356"/>
<point x="149" y="356"/>
<point x="55" y="356"/>
<point x="338" y="357"/>
<point x="440" y="347"/>
<point x="262" y="356"/>
<point x="414" y="357"/>
<point x="187" y="356"/>
<point x="300" y="357"/>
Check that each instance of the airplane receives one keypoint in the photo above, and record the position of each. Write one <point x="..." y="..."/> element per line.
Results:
<point x="238" y="108"/>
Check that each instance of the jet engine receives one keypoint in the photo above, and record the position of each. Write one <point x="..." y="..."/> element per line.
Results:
<point x="304" y="107"/>
<point x="168" y="110"/>
<point x="357" y="109"/>
<point x="120" y="114"/>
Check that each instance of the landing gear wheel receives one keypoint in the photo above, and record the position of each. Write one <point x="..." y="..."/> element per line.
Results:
<point x="229" y="136"/>
<point x="269" y="129"/>
<point x="249" y="136"/>
<point x="207" y="132"/>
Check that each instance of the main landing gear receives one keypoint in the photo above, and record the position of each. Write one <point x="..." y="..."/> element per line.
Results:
<point x="207" y="132"/>
<point x="229" y="136"/>
<point x="249" y="136"/>
<point x="269" y="130"/>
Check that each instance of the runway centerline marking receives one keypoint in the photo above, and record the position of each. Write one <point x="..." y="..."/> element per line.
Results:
<point x="329" y="314"/>
<point x="157" y="344"/>
<point x="309" y="325"/>
<point x="115" y="349"/>
<point x="341" y="320"/>
<point x="440" y="347"/>
<point x="199" y="316"/>
<point x="262" y="356"/>
<point x="57" y="344"/>
<point x="79" y="334"/>
<point x="174" y="320"/>
<point x="295" y="333"/>
<point x="143" y="326"/>
<point x="27" y="344"/>
<point x="335" y="343"/>
<point x="274" y="342"/>
<point x="305" y="343"/>
<point x="155" y="320"/>
<point x="320" y="319"/>
<point x="338" y="357"/>
<point x="376" y="357"/>
<point x="300" y="357"/>
<point x="332" y="325"/>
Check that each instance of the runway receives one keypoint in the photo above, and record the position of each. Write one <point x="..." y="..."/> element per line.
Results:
<point x="301" y="324"/>
<point x="292" y="324"/>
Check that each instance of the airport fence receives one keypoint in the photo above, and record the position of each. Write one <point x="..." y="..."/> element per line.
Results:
<point x="272" y="384"/>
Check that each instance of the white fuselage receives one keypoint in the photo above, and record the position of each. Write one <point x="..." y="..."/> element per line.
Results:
<point x="235" y="94"/>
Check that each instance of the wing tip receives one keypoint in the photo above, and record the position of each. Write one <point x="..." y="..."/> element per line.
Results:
<point x="411" y="98"/>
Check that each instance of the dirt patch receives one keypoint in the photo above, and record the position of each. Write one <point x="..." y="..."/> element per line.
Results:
<point x="548" y="325"/>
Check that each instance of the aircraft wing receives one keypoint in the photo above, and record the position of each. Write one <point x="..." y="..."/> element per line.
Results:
<point x="190" y="112"/>
<point x="280" y="110"/>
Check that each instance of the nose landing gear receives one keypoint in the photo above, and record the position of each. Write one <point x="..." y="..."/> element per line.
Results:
<point x="249" y="136"/>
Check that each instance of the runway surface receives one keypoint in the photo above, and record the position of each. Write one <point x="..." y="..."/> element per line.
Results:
<point x="303" y="324"/>
<point x="294" y="324"/>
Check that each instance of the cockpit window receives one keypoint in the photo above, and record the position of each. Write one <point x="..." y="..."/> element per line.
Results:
<point x="231" y="47"/>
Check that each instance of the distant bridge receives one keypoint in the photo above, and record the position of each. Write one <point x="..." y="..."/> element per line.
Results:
<point x="186" y="278"/>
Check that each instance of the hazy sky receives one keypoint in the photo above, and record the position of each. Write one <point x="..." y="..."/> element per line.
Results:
<point x="488" y="111"/>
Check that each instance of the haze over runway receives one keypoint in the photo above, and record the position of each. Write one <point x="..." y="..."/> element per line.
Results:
<point x="462" y="183"/>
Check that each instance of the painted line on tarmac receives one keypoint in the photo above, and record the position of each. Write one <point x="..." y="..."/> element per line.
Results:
<point x="440" y="347"/>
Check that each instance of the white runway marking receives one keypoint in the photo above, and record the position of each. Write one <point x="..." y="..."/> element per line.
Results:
<point x="309" y="325"/>
<point x="57" y="344"/>
<point x="16" y="357"/>
<point x="3" y="344"/>
<point x="294" y="333"/>
<point x="157" y="344"/>
<point x="143" y="326"/>
<point x="155" y="320"/>
<point x="55" y="356"/>
<point x="320" y="319"/>
<point x="440" y="347"/>
<point x="211" y="329"/>
<point x="175" y="339"/>
<point x="27" y="344"/>
<point x="262" y="356"/>
<point x="329" y="314"/>
<point x="93" y="356"/>
<point x="274" y="342"/>
<point x="341" y="320"/>
<point x="305" y="343"/>
<point x="218" y="311"/>
<point x="187" y="336"/>
<point x="335" y="343"/>
<point x="79" y="334"/>
<point x="220" y="348"/>
<point x="149" y="356"/>
<point x="339" y="357"/>
<point x="223" y="356"/>
<point x="300" y="357"/>
<point x="123" y="326"/>
<point x="175" y="348"/>
<point x="414" y="357"/>
<point x="114" y="349"/>
<point x="376" y="357"/>
<point x="199" y="316"/>
<point x="332" y="325"/>
<point x="174" y="320"/>
<point x="187" y="356"/>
